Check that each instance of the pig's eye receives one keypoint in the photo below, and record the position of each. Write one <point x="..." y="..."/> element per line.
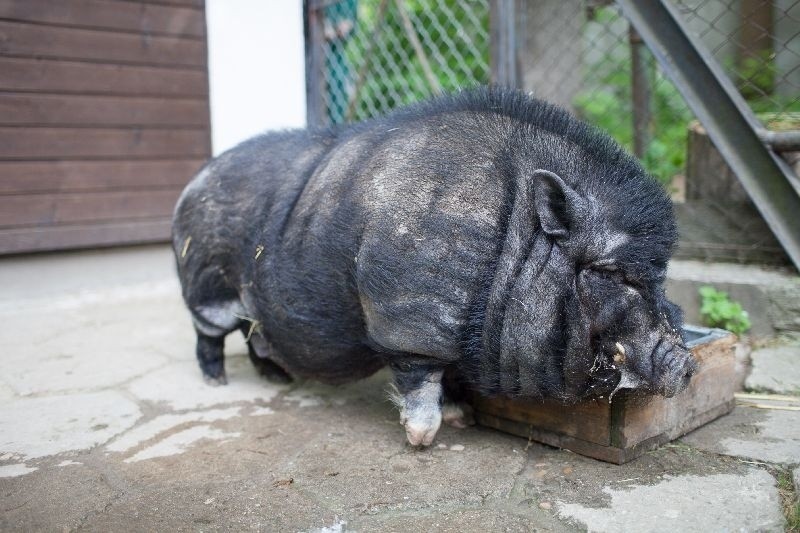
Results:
<point x="603" y="267"/>
<point x="611" y="271"/>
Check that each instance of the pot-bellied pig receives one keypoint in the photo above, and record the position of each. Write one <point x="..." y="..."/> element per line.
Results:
<point x="486" y="238"/>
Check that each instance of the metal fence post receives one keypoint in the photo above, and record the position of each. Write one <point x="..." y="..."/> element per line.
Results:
<point x="315" y="64"/>
<point x="640" y="89"/>
<point x="504" y="43"/>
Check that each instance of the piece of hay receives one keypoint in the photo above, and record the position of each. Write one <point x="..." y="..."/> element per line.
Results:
<point x="186" y="246"/>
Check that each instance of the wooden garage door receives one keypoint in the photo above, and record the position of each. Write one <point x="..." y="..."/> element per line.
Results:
<point x="103" y="118"/>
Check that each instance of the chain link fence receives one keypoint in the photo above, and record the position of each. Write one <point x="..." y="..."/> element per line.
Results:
<point x="381" y="54"/>
<point x="758" y="44"/>
<point x="582" y="54"/>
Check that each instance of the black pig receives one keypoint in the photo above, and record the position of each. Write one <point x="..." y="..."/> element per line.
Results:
<point x="486" y="237"/>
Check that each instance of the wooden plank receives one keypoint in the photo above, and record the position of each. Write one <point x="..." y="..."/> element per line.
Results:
<point x="588" y="421"/>
<point x="79" y="110"/>
<point x="63" y="237"/>
<point x="643" y="417"/>
<point x="47" y="75"/>
<point x="87" y="143"/>
<point x="101" y="14"/>
<point x="34" y="40"/>
<point x="70" y="208"/>
<point x="78" y="176"/>
<point x="610" y="454"/>
<point x="638" y="423"/>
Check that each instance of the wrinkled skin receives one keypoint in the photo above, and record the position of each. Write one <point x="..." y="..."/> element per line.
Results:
<point x="642" y="323"/>
<point x="486" y="240"/>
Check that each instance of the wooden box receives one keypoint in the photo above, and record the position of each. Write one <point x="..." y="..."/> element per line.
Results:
<point x="632" y="423"/>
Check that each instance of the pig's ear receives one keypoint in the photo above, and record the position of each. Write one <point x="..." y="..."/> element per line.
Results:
<point x="557" y="204"/>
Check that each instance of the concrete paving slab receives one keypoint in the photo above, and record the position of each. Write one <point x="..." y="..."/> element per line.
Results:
<point x="775" y="369"/>
<point x="554" y="478"/>
<point x="722" y="502"/>
<point x="771" y="436"/>
<point x="771" y="296"/>
<point x="304" y="468"/>
<point x="458" y="521"/>
<point x="162" y="423"/>
<point x="42" y="276"/>
<point x="14" y="470"/>
<point x="89" y="341"/>
<point x="180" y="385"/>
<point x="179" y="442"/>
<point x="38" y="427"/>
<point x="55" y="499"/>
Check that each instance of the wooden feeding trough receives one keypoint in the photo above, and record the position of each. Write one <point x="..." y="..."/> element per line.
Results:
<point x="632" y="423"/>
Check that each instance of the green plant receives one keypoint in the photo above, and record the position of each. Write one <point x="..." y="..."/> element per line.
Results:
<point x="718" y="311"/>
<point x="791" y="502"/>
<point x="755" y="75"/>
<point x="394" y="74"/>
<point x="793" y="517"/>
<point x="607" y="103"/>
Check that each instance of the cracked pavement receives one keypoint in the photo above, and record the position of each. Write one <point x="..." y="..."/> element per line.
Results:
<point x="106" y="425"/>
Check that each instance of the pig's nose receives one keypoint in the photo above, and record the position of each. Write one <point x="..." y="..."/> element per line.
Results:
<point x="677" y="373"/>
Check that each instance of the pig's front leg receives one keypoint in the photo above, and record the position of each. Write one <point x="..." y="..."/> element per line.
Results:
<point x="420" y="388"/>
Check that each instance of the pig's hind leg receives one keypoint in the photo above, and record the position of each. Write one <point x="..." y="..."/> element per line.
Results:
<point x="211" y="358"/>
<point x="456" y="412"/>
<point x="212" y="322"/>
<point x="259" y="351"/>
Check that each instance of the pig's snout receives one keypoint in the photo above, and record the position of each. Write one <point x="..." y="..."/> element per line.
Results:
<point x="674" y="367"/>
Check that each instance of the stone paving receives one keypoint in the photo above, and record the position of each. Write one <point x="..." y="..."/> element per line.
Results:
<point x="106" y="425"/>
<point x="776" y="368"/>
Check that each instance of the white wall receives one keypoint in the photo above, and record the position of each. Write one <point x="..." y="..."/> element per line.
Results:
<point x="256" y="68"/>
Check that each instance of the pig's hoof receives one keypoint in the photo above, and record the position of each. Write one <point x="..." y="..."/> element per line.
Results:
<point x="273" y="373"/>
<point x="458" y="415"/>
<point x="421" y="431"/>
<point x="278" y="379"/>
<point x="420" y="435"/>
<point x="217" y="381"/>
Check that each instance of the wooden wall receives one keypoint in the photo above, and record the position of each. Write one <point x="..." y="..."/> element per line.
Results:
<point x="103" y="118"/>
